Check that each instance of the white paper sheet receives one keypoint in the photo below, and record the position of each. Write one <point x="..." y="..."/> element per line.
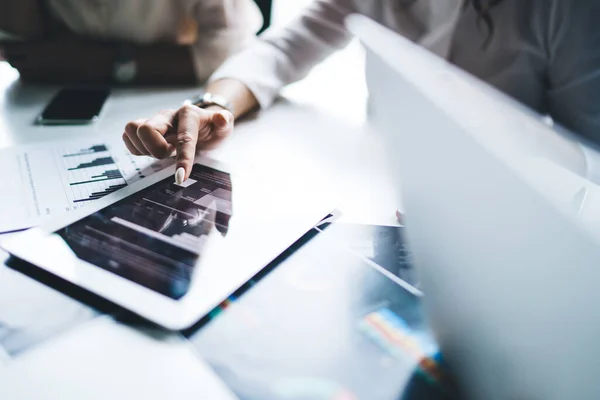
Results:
<point x="41" y="180"/>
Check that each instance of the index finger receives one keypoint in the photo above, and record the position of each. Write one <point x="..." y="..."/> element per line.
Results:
<point x="187" y="137"/>
<point x="152" y="133"/>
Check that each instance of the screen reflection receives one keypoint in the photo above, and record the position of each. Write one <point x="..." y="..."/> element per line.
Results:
<point x="155" y="237"/>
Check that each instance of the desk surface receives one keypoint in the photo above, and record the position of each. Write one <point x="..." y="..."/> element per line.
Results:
<point x="104" y="359"/>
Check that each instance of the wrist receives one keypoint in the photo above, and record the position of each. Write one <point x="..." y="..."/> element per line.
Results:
<point x="215" y="108"/>
<point x="209" y="99"/>
<point x="240" y="96"/>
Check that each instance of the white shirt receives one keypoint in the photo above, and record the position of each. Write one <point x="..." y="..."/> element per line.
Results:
<point x="545" y="53"/>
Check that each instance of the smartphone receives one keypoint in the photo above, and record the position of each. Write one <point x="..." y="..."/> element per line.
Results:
<point x="74" y="106"/>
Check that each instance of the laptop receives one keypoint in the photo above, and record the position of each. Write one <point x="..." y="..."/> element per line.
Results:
<point x="502" y="220"/>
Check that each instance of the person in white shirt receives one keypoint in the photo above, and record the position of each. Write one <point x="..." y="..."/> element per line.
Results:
<point x="545" y="53"/>
<point x="124" y="41"/>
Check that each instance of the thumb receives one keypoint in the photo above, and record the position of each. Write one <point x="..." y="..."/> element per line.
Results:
<point x="218" y="125"/>
<point x="222" y="120"/>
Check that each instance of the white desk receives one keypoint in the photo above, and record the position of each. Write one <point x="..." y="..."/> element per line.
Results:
<point x="103" y="359"/>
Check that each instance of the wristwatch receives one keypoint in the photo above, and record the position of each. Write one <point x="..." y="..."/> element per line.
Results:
<point x="208" y="99"/>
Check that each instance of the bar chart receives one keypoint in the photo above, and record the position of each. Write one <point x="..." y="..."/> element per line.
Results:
<point x="98" y="162"/>
<point x="93" y="172"/>
<point x="51" y="179"/>
<point x="105" y="176"/>
<point x="91" y="150"/>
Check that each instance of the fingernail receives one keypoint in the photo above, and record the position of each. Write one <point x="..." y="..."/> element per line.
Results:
<point x="179" y="175"/>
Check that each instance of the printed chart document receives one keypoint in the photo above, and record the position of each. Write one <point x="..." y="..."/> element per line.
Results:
<point x="41" y="180"/>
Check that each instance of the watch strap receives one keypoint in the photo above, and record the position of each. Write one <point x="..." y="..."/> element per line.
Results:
<point x="208" y="99"/>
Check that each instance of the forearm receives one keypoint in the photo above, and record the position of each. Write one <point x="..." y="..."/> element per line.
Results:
<point x="241" y="98"/>
<point x="285" y="55"/>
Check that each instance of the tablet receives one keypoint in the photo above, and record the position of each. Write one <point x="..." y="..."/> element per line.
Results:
<point x="170" y="253"/>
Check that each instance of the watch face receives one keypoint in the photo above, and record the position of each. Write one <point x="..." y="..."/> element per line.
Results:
<point x="125" y="72"/>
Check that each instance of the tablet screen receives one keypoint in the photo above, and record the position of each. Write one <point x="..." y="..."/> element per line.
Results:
<point x="156" y="236"/>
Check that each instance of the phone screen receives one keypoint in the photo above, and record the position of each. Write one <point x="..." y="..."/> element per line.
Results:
<point x="74" y="105"/>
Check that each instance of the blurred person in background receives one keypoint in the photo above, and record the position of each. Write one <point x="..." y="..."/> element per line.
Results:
<point x="123" y="41"/>
<point x="544" y="53"/>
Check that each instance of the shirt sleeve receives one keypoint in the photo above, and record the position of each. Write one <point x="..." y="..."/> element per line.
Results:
<point x="224" y="28"/>
<point x="285" y="55"/>
<point x="574" y="69"/>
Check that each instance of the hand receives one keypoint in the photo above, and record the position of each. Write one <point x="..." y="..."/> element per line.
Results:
<point x="185" y="131"/>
